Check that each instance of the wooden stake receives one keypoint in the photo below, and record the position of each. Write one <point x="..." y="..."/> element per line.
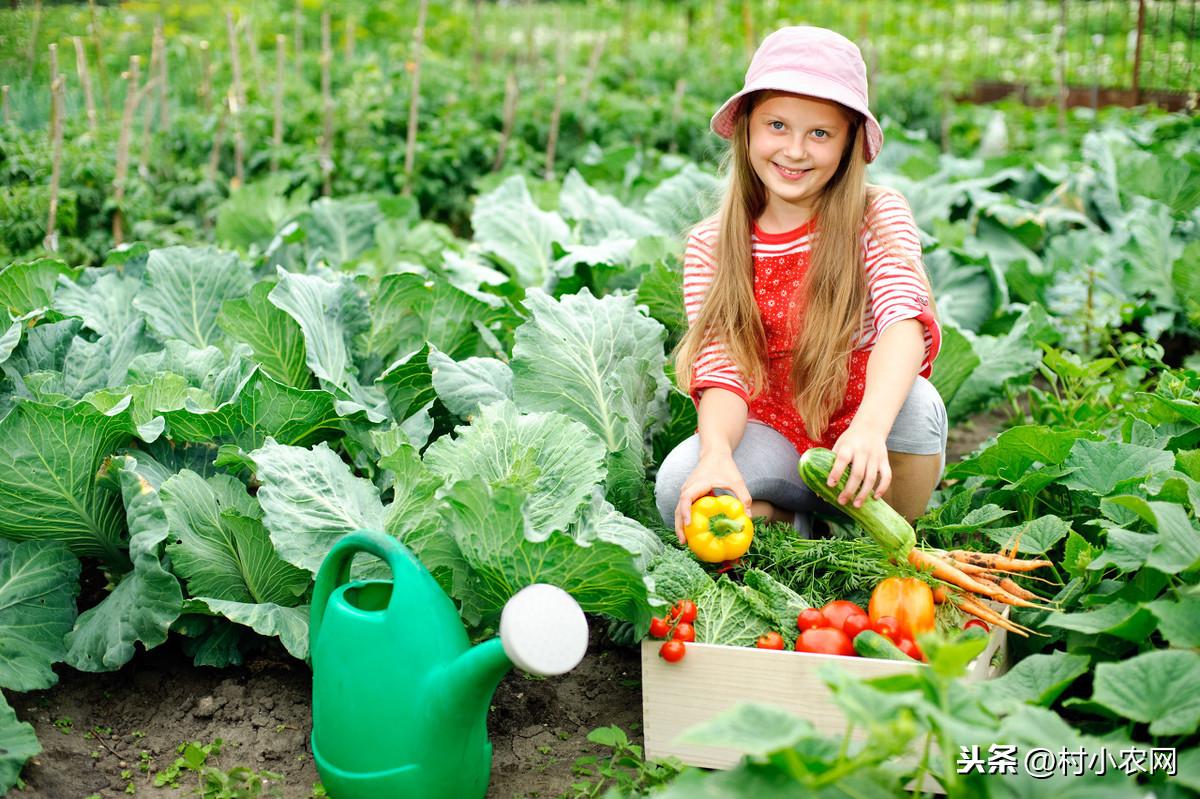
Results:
<point x="277" y="128"/>
<point x="298" y="37"/>
<point x="592" y="68"/>
<point x="122" y="168"/>
<point x="326" y="108"/>
<point x="414" y="65"/>
<point x="164" y="118"/>
<point x="33" y="36"/>
<point x="255" y="70"/>
<point x="53" y="48"/>
<point x="348" y="41"/>
<point x="204" y="93"/>
<point x="476" y="44"/>
<point x="4" y="108"/>
<point x="57" y="91"/>
<point x="234" y="61"/>
<point x="1137" y="53"/>
<point x="101" y="72"/>
<point x="676" y="113"/>
<point x="85" y="81"/>
<point x="560" y="83"/>
<point x="1061" y="71"/>
<point x="510" y="115"/>
<point x="748" y="27"/>
<point x="148" y="114"/>
<point x="239" y="145"/>
<point x="214" y="155"/>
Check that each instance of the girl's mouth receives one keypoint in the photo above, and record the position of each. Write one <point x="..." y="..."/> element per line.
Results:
<point x="790" y="174"/>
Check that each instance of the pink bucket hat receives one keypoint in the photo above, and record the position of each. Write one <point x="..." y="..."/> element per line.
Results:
<point x="816" y="62"/>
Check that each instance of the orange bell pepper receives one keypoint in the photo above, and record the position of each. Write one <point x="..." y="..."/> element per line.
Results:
<point x="907" y="599"/>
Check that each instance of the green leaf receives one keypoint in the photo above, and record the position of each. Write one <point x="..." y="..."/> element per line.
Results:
<point x="955" y="363"/>
<point x="49" y="457"/>
<point x="408" y="383"/>
<point x="1178" y="620"/>
<point x="18" y="743"/>
<point x="510" y="226"/>
<point x="1011" y="358"/>
<point x="310" y="499"/>
<point x="415" y="517"/>
<point x="221" y="548"/>
<point x="341" y="229"/>
<point x="950" y="656"/>
<point x="1078" y="554"/>
<point x="1150" y="688"/>
<point x="491" y="530"/>
<point x="409" y="310"/>
<point x="103" y="299"/>
<point x="1101" y="466"/>
<point x="555" y="461"/>
<point x="148" y="599"/>
<point x="1124" y="550"/>
<point x="1036" y="538"/>
<point x="599" y="217"/>
<point x="28" y="287"/>
<point x="288" y="624"/>
<point x="728" y="614"/>
<point x="466" y="386"/>
<point x="682" y="200"/>
<point x="185" y="287"/>
<point x="600" y="521"/>
<point x="1039" y="679"/>
<point x="275" y="337"/>
<point x="1178" y="541"/>
<point x="661" y="291"/>
<point x="1016" y="450"/>
<point x="1120" y="618"/>
<point x="975" y="519"/>
<point x="254" y="212"/>
<point x="752" y="729"/>
<point x="38" y="584"/>
<point x="260" y="408"/>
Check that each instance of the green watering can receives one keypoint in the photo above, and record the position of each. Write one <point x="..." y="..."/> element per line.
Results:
<point x="400" y="697"/>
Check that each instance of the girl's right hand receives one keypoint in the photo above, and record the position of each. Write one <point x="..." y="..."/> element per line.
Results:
<point x="713" y="471"/>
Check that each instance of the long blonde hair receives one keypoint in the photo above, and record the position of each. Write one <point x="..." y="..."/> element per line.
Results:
<point x="833" y="294"/>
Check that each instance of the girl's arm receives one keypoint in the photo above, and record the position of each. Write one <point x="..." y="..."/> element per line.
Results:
<point x="722" y="419"/>
<point x="892" y="369"/>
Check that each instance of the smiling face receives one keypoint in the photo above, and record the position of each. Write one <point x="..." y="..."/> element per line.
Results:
<point x="795" y="146"/>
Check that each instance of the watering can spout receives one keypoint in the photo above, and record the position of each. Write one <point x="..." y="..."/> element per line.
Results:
<point x="466" y="684"/>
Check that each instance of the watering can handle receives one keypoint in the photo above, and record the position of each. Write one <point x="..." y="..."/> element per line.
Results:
<point x="335" y="570"/>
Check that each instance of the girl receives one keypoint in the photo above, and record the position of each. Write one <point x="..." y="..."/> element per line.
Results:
<point x="810" y="316"/>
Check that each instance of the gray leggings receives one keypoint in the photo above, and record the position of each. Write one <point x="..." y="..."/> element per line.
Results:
<point x="768" y="461"/>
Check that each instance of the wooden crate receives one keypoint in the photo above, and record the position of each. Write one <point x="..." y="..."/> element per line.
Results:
<point x="678" y="696"/>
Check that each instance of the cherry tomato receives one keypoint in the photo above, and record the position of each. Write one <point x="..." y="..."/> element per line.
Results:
<point x="838" y="610"/>
<point x="889" y="627"/>
<point x="825" y="641"/>
<point x="810" y="618"/>
<point x="672" y="651"/>
<point x="855" y="623"/>
<point x="909" y="647"/>
<point x="771" y="640"/>
<point x="659" y="627"/>
<point x="684" y="610"/>
<point x="980" y="623"/>
<point x="684" y="632"/>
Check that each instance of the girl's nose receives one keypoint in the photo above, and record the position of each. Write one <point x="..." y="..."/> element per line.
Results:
<point x="795" y="149"/>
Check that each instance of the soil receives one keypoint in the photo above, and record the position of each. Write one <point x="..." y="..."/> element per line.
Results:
<point x="95" y="727"/>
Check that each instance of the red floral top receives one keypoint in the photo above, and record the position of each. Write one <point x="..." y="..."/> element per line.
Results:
<point x="895" y="293"/>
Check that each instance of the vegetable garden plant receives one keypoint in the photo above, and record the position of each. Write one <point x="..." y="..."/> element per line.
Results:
<point x="193" y="419"/>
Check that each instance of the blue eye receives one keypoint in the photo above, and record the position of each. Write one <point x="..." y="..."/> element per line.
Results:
<point x="776" y="125"/>
<point x="824" y="133"/>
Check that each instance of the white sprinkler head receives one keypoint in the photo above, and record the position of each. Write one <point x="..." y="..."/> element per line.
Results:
<point x="543" y="630"/>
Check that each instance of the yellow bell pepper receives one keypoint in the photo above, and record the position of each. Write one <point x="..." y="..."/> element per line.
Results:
<point x="719" y="530"/>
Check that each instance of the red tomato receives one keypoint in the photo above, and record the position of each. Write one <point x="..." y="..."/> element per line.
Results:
<point x="910" y="648"/>
<point x="825" y="641"/>
<point x="838" y="610"/>
<point x="889" y="627"/>
<point x="810" y="618"/>
<point x="855" y="623"/>
<point x="672" y="651"/>
<point x="684" y="632"/>
<point x="684" y="610"/>
<point x="771" y="640"/>
<point x="980" y="623"/>
<point x="659" y="628"/>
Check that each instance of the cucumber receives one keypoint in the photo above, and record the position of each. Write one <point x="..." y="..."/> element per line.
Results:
<point x="870" y="644"/>
<point x="886" y="526"/>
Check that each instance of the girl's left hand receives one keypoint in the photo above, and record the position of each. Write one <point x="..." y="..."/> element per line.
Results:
<point x="865" y="452"/>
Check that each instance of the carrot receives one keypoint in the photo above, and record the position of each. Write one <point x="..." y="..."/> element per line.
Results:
<point x="1011" y="587"/>
<point x="951" y="574"/>
<point x="990" y="561"/>
<point x="979" y="610"/>
<point x="939" y="594"/>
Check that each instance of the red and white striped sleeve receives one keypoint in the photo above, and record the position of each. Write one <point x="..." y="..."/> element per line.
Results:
<point x="891" y="251"/>
<point x="713" y="367"/>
